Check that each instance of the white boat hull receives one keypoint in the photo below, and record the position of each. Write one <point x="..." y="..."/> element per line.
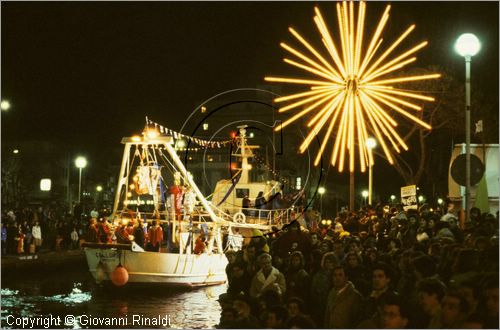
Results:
<point x="188" y="270"/>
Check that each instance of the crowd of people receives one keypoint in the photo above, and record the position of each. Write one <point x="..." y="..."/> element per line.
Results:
<point x="28" y="230"/>
<point x="381" y="267"/>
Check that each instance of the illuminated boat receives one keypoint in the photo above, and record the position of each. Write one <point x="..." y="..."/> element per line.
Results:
<point x="142" y="193"/>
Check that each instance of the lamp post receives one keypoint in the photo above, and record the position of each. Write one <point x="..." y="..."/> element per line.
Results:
<point x="81" y="163"/>
<point x="321" y="191"/>
<point x="370" y="144"/>
<point x="467" y="45"/>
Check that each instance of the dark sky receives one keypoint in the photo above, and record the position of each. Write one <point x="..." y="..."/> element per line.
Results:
<point x="88" y="72"/>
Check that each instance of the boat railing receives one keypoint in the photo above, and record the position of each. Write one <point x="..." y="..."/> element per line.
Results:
<point x="275" y="217"/>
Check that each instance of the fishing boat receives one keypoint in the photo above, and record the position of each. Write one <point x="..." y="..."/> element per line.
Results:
<point x="149" y="162"/>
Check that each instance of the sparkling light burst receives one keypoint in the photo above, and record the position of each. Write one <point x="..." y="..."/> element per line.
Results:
<point x="353" y="94"/>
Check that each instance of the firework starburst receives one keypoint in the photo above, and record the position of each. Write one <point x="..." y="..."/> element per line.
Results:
<point x="353" y="94"/>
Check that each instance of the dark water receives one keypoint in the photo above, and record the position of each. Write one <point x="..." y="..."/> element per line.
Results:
<point x="59" y="294"/>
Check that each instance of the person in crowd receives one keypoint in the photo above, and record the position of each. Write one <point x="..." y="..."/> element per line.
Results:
<point x="277" y="317"/>
<point x="454" y="311"/>
<point x="261" y="204"/>
<point x="344" y="302"/>
<point x="267" y="278"/>
<point x="293" y="237"/>
<point x="489" y="301"/>
<point x="245" y="319"/>
<point x="297" y="278"/>
<point x="321" y="284"/>
<point x="238" y="278"/>
<point x="37" y="236"/>
<point x="20" y="240"/>
<point x="356" y="272"/>
<point x="430" y="293"/>
<point x="75" y="239"/>
<point x="381" y="281"/>
<point x="246" y="204"/>
<point x="395" y="312"/>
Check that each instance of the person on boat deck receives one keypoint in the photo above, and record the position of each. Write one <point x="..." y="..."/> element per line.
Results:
<point x="261" y="204"/>
<point x="189" y="202"/>
<point x="245" y="205"/>
<point x="122" y="234"/>
<point x="200" y="246"/>
<point x="176" y="193"/>
<point x="267" y="278"/>
<point x="93" y="232"/>
<point x="139" y="233"/>
<point x="104" y="231"/>
<point x="155" y="237"/>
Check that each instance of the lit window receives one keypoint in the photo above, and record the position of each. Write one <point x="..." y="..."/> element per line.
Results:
<point x="45" y="184"/>
<point x="298" y="183"/>
<point x="205" y="126"/>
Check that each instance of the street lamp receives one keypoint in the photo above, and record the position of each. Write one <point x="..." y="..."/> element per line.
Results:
<point x="5" y="105"/>
<point x="321" y="191"/>
<point x="393" y="198"/>
<point x="370" y="144"/>
<point x="467" y="45"/>
<point x="440" y="201"/>
<point x="81" y="163"/>
<point x="365" y="194"/>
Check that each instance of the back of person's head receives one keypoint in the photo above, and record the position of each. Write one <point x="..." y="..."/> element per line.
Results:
<point x="425" y="265"/>
<point x="466" y="261"/>
<point x="432" y="286"/>
<point x="329" y="256"/>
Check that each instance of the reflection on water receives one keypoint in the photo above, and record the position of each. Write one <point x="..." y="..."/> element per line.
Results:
<point x="74" y="293"/>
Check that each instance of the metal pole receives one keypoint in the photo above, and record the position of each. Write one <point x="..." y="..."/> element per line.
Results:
<point x="321" y="205"/>
<point x="79" y="185"/>
<point x="370" y="184"/>
<point x="351" y="191"/>
<point x="467" y="136"/>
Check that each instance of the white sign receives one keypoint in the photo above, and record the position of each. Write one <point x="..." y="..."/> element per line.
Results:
<point x="409" y="197"/>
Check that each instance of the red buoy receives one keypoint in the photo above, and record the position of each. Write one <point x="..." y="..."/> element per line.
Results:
<point x="119" y="276"/>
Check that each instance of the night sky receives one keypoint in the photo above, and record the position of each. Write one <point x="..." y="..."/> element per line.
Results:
<point x="88" y="72"/>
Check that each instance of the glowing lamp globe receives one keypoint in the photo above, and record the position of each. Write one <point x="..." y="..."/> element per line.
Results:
<point x="321" y="190"/>
<point x="364" y="193"/>
<point x="81" y="162"/>
<point x="371" y="143"/>
<point x="467" y="45"/>
<point x="119" y="276"/>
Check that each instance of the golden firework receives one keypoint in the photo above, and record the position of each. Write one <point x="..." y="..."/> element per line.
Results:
<point x="352" y="93"/>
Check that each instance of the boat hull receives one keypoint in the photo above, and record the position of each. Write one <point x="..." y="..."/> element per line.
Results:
<point x="173" y="269"/>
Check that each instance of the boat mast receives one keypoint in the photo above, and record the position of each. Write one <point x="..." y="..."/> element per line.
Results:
<point x="122" y="178"/>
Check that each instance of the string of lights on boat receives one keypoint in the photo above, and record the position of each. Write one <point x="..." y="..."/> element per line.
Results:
<point x="162" y="130"/>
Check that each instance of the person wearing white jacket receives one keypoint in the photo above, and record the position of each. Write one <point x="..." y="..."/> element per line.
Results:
<point x="36" y="231"/>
